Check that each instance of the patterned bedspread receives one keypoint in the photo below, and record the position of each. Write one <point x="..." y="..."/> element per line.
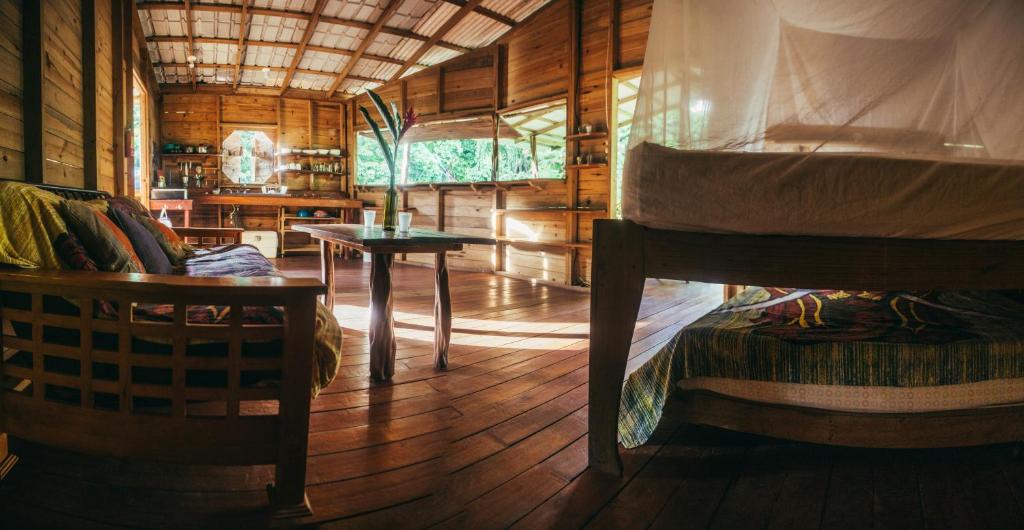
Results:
<point x="824" y="337"/>
<point x="246" y="260"/>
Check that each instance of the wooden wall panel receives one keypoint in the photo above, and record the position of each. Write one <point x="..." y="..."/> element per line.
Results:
<point x="62" y="93"/>
<point x="105" y="99"/>
<point x="294" y="124"/>
<point x="469" y="83"/>
<point x="635" y="22"/>
<point x="538" y="56"/>
<point x="421" y="91"/>
<point x="327" y="126"/>
<point x="189" y="119"/>
<point x="252" y="109"/>
<point x="12" y="162"/>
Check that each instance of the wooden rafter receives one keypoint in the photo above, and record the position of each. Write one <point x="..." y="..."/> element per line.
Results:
<point x="243" y="34"/>
<point x="318" y="9"/>
<point x="489" y="13"/>
<point x="466" y="9"/>
<point x="298" y="15"/>
<point x="250" y="67"/>
<point x="367" y="41"/>
<point x="191" y="45"/>
<point x="274" y="44"/>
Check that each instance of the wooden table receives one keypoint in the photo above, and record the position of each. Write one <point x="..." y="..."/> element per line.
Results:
<point x="383" y="246"/>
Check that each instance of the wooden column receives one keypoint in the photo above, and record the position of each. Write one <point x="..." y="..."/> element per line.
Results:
<point x="572" y="176"/>
<point x="32" y="89"/>
<point x="122" y="13"/>
<point x="442" y="312"/>
<point x="382" y="322"/>
<point x="90" y="155"/>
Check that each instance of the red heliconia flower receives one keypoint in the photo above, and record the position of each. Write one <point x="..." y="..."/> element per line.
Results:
<point x="408" y="120"/>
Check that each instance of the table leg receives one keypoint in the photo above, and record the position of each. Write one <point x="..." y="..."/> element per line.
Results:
<point x="327" y="271"/>
<point x="442" y="312"/>
<point x="382" y="323"/>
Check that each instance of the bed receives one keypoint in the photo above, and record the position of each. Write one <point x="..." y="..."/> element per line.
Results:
<point x="889" y="227"/>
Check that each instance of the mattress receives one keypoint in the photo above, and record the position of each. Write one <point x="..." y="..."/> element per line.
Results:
<point x="867" y="351"/>
<point x="823" y="194"/>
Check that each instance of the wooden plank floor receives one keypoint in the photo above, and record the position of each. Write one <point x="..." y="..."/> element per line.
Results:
<point x="499" y="441"/>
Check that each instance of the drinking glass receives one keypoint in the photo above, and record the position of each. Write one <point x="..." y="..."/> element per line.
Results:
<point x="369" y="218"/>
<point x="404" y="222"/>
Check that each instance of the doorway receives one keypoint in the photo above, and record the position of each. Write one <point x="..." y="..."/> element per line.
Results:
<point x="141" y="168"/>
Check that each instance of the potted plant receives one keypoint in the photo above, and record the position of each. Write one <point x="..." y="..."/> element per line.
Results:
<point x="397" y="126"/>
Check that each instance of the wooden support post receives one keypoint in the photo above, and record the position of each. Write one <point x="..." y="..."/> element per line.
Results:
<point x="288" y="493"/>
<point x="121" y="71"/>
<point x="382" y="321"/>
<point x="440" y="209"/>
<point x="617" y="288"/>
<point x="32" y="61"/>
<point x="499" y="228"/>
<point x="442" y="312"/>
<point x="90" y="153"/>
<point x="572" y="118"/>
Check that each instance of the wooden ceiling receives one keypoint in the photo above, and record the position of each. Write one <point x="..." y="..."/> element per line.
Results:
<point x="331" y="47"/>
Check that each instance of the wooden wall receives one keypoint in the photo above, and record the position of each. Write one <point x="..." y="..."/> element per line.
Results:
<point x="12" y="150"/>
<point x="197" y="118"/>
<point x="64" y="117"/>
<point x="570" y="49"/>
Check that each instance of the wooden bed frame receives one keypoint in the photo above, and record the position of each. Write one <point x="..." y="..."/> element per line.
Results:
<point x="221" y="424"/>
<point x="626" y="254"/>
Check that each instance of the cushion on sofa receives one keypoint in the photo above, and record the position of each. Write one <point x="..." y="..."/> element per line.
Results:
<point x="176" y="249"/>
<point x="73" y="253"/>
<point x="145" y="245"/>
<point x="129" y="205"/>
<point x="29" y="226"/>
<point x="106" y="243"/>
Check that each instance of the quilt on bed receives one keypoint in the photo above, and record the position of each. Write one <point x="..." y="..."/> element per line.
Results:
<point x="828" y="337"/>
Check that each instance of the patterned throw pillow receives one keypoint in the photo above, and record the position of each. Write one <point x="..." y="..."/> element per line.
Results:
<point x="72" y="252"/>
<point x="172" y="244"/>
<point x="128" y="205"/>
<point x="143" y="242"/>
<point x="106" y="243"/>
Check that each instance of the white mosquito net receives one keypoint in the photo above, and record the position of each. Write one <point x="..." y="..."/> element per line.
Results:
<point x="933" y="80"/>
<point x="936" y="77"/>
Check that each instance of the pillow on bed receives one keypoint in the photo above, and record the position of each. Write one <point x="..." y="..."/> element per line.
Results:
<point x="106" y="243"/>
<point x="73" y="253"/>
<point x="177" y="249"/>
<point x="145" y="245"/>
<point x="128" y="205"/>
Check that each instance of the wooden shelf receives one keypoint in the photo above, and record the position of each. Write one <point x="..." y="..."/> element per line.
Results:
<point x="587" y="136"/>
<point x="574" y="211"/>
<point x="296" y="217"/>
<point x="381" y="208"/>
<point x="587" y="166"/>
<point x="189" y="155"/>
<point x="558" y="244"/>
<point x="313" y="155"/>
<point x="307" y="172"/>
<point x="301" y="248"/>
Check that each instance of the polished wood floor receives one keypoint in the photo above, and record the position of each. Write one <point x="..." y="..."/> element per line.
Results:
<point x="499" y="441"/>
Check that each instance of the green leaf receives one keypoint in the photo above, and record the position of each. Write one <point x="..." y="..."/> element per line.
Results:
<point x="398" y="117"/>
<point x="389" y="156"/>
<point x="382" y="109"/>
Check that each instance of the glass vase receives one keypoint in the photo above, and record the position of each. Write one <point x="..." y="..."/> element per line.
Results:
<point x="390" y="209"/>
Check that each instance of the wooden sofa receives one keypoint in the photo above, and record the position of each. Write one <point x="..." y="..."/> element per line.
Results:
<point x="230" y="423"/>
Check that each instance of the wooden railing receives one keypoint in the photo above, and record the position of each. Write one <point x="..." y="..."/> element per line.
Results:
<point x="84" y="372"/>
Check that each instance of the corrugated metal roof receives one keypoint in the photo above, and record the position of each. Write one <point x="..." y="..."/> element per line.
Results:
<point x="423" y="17"/>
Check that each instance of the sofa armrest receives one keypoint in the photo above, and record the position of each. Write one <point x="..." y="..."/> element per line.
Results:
<point x="221" y="236"/>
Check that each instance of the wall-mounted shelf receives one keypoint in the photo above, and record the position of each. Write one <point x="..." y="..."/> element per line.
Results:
<point x="556" y="244"/>
<point x="306" y="172"/>
<point x="381" y="208"/>
<point x="300" y="155"/>
<point x="559" y="210"/>
<point x="587" y="166"/>
<point x="189" y="155"/>
<point x="587" y="136"/>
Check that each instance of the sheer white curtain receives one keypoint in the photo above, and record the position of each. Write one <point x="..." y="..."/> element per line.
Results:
<point x="933" y="77"/>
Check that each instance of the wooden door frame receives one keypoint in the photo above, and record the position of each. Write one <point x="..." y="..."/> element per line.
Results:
<point x="138" y="86"/>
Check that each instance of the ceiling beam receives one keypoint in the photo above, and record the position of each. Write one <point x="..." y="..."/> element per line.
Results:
<point x="466" y="9"/>
<point x="250" y="67"/>
<point x="272" y="44"/>
<point x="188" y="32"/>
<point x="298" y="15"/>
<point x="318" y="9"/>
<point x="350" y="53"/>
<point x="243" y="34"/>
<point x="489" y="13"/>
<point x="367" y="41"/>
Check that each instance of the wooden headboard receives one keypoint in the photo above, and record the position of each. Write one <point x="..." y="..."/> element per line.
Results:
<point x="77" y="194"/>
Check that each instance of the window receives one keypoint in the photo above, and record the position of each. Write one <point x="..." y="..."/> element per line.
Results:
<point x="531" y="143"/>
<point x="248" y="157"/>
<point x="459" y="150"/>
<point x="625" y="105"/>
